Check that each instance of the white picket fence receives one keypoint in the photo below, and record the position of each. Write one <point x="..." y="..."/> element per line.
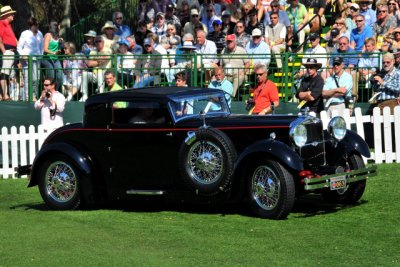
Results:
<point x="20" y="147"/>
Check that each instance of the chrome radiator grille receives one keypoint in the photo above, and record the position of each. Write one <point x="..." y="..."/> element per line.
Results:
<point x="314" y="150"/>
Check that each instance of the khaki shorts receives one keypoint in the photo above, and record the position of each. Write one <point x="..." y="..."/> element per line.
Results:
<point x="8" y="62"/>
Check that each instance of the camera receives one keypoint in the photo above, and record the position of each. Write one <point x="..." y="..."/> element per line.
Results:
<point x="334" y="33"/>
<point x="372" y="80"/>
<point x="48" y="94"/>
<point x="250" y="104"/>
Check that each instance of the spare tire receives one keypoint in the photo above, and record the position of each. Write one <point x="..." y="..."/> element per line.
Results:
<point x="207" y="162"/>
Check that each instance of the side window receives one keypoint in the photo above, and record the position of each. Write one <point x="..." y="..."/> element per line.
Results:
<point x="138" y="112"/>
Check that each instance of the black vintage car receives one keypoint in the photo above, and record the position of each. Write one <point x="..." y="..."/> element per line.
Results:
<point x="184" y="144"/>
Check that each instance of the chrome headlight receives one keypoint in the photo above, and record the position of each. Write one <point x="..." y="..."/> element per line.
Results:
<point x="299" y="135"/>
<point x="337" y="128"/>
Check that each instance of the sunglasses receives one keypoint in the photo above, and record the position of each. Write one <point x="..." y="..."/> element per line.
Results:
<point x="392" y="4"/>
<point x="256" y="37"/>
<point x="98" y="41"/>
<point x="353" y="9"/>
<point x="312" y="40"/>
<point x="195" y="16"/>
<point x="275" y="6"/>
<point x="387" y="62"/>
<point x="260" y="74"/>
<point x="47" y="84"/>
<point x="342" y="43"/>
<point x="382" y="11"/>
<point x="359" y="20"/>
<point x="337" y="64"/>
<point x="147" y="45"/>
<point x="118" y="18"/>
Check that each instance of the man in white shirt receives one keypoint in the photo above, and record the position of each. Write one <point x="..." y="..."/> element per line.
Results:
<point x="51" y="105"/>
<point x="208" y="48"/>
<point x="275" y="34"/>
<point x="30" y="43"/>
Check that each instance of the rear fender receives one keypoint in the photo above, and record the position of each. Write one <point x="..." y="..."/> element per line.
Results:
<point x="275" y="149"/>
<point x="81" y="159"/>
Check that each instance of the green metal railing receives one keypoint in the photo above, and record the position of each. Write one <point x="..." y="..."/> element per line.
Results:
<point x="199" y="74"/>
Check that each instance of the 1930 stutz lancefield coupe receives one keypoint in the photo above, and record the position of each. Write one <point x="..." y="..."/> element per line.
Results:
<point x="184" y="144"/>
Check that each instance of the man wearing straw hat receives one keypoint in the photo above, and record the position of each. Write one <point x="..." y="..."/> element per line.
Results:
<point x="109" y="36"/>
<point x="8" y="46"/>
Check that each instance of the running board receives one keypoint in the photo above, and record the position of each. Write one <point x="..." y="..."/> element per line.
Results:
<point x="145" y="192"/>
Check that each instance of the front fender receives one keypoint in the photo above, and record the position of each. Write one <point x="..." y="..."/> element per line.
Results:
<point x="353" y="142"/>
<point x="276" y="149"/>
<point x="80" y="158"/>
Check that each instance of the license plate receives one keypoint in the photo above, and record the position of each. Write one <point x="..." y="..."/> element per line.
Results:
<point x="338" y="182"/>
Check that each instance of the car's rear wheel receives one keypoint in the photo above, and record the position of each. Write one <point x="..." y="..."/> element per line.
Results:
<point x="353" y="192"/>
<point x="59" y="183"/>
<point x="271" y="189"/>
<point x="207" y="163"/>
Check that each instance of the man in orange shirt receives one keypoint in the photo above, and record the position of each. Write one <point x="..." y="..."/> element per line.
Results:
<point x="8" y="47"/>
<point x="265" y="93"/>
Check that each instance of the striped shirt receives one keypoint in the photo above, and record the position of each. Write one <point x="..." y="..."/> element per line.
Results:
<point x="391" y="86"/>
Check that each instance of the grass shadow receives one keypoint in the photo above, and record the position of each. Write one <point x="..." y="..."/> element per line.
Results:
<point x="312" y="205"/>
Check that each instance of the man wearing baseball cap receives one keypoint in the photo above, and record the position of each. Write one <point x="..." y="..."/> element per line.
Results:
<point x="310" y="91"/>
<point x="337" y="88"/>
<point x="258" y="50"/>
<point x="171" y="18"/>
<point x="194" y="20"/>
<point x="8" y="46"/>
<point x="217" y="36"/>
<point x="234" y="66"/>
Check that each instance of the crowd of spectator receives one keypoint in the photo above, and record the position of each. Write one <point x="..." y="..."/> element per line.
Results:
<point x="229" y="37"/>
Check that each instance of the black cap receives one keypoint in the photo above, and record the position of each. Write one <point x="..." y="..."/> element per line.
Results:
<point x="170" y="7"/>
<point x="337" y="60"/>
<point x="314" y="35"/>
<point x="252" y="11"/>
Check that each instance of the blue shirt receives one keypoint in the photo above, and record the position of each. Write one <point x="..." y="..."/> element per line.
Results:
<point x="225" y="86"/>
<point x="345" y="80"/>
<point x="350" y="59"/>
<point x="263" y="49"/>
<point x="369" y="15"/>
<point x="283" y="18"/>
<point x="359" y="37"/>
<point x="123" y="31"/>
<point x="369" y="61"/>
<point x="391" y="86"/>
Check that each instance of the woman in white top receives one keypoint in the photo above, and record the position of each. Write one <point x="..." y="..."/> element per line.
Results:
<point x="30" y="43"/>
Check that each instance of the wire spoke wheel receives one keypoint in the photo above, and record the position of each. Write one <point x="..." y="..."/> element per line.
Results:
<point x="271" y="189"/>
<point x="205" y="162"/>
<point x="265" y="187"/>
<point x="61" y="182"/>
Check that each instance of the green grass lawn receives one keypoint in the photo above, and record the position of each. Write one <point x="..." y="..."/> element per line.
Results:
<point x="315" y="233"/>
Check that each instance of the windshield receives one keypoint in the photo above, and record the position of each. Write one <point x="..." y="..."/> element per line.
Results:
<point x="190" y="106"/>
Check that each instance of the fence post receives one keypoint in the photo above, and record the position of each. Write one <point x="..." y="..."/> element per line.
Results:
<point x="30" y="79"/>
<point x="397" y="132"/>
<point x="195" y="69"/>
<point x="377" y="134"/>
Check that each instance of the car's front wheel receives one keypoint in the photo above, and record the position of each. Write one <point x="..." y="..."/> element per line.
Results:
<point x="59" y="183"/>
<point x="353" y="192"/>
<point x="271" y="189"/>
